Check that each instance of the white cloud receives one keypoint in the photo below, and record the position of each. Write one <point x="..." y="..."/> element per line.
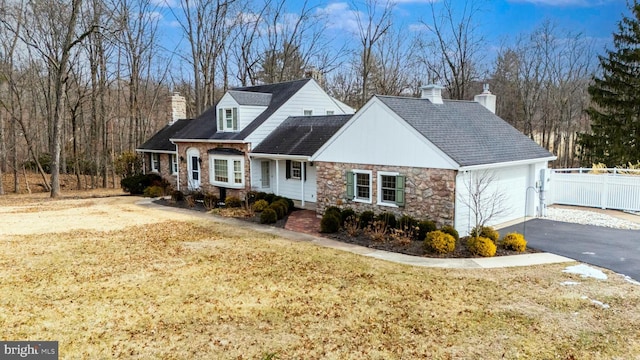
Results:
<point x="340" y="16"/>
<point x="418" y="27"/>
<point x="166" y="3"/>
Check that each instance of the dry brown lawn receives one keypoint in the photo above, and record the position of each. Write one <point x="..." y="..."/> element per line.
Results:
<point x="109" y="279"/>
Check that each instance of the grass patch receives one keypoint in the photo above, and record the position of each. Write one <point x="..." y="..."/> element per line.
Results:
<point x="185" y="289"/>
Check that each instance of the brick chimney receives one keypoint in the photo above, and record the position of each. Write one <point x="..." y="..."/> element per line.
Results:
<point x="177" y="108"/>
<point x="486" y="99"/>
<point x="432" y="93"/>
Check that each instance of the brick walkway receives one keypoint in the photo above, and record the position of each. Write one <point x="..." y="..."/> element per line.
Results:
<point x="304" y="221"/>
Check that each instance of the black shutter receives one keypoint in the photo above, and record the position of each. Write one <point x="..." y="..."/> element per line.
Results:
<point x="288" y="170"/>
<point x="305" y="171"/>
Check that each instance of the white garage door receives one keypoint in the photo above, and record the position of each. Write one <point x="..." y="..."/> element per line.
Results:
<point x="506" y="188"/>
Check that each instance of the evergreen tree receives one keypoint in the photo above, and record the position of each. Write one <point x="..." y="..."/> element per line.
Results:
<point x="615" y="96"/>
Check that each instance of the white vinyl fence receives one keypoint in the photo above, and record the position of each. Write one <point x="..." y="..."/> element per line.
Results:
<point x="608" y="189"/>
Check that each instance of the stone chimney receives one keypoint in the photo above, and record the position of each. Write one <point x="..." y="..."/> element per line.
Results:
<point x="486" y="99"/>
<point x="177" y="108"/>
<point x="432" y="93"/>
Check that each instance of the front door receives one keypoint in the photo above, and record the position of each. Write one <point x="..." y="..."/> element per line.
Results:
<point x="193" y="158"/>
<point x="266" y="174"/>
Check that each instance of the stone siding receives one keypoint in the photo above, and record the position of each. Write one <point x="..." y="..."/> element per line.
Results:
<point x="429" y="193"/>
<point x="205" y="184"/>
<point x="165" y="168"/>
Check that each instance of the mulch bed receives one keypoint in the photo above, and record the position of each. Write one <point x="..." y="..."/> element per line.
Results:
<point x="415" y="248"/>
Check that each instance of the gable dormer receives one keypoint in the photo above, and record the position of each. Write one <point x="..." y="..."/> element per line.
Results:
<point x="237" y="109"/>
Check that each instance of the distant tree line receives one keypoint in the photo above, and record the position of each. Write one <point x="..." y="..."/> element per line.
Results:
<point x="83" y="81"/>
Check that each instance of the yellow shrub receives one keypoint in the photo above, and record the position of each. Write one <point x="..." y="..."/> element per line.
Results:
<point x="486" y="232"/>
<point x="514" y="241"/>
<point x="481" y="246"/>
<point x="439" y="242"/>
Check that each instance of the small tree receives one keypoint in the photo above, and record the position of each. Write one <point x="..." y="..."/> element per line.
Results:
<point x="128" y="164"/>
<point x="485" y="200"/>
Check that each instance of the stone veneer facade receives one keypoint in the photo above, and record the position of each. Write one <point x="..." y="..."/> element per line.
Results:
<point x="205" y="185"/>
<point x="165" y="168"/>
<point x="429" y="193"/>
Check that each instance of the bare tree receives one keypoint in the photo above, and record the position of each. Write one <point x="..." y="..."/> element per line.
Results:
<point x="453" y="45"/>
<point x="485" y="200"/>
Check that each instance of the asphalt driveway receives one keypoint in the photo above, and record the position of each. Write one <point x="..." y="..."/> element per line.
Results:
<point x="614" y="249"/>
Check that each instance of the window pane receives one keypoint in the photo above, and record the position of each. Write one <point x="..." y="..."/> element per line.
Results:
<point x="362" y="186"/>
<point x="296" y="169"/>
<point x="229" y="117"/>
<point x="237" y="171"/>
<point x="388" y="185"/>
<point x="220" y="170"/>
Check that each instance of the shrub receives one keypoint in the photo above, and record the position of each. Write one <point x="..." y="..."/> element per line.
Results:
<point x="260" y="205"/>
<point x="232" y="202"/>
<point x="154" y="191"/>
<point x="388" y="218"/>
<point x="514" y="241"/>
<point x="136" y="184"/>
<point x="268" y="216"/>
<point x="407" y="222"/>
<point x="481" y="246"/>
<point x="279" y="209"/>
<point x="177" y="196"/>
<point x="269" y="197"/>
<point x="486" y="232"/>
<point x="448" y="229"/>
<point x="260" y="195"/>
<point x="190" y="201"/>
<point x="284" y="204"/>
<point x="198" y="195"/>
<point x="440" y="242"/>
<point x="333" y="209"/>
<point x="290" y="204"/>
<point x="210" y="201"/>
<point x="352" y="225"/>
<point x="425" y="227"/>
<point x="345" y="214"/>
<point x="377" y="231"/>
<point x="330" y="222"/>
<point x="366" y="218"/>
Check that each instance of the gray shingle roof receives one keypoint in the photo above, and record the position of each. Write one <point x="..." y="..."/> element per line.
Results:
<point x="160" y="140"/>
<point x="301" y="135"/>
<point x="250" y="98"/>
<point x="466" y="131"/>
<point x="204" y="126"/>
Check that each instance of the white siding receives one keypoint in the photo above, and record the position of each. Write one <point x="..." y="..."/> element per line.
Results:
<point x="256" y="175"/>
<point x="516" y="183"/>
<point x="377" y="136"/>
<point x="246" y="114"/>
<point x="280" y="185"/>
<point x="309" y="97"/>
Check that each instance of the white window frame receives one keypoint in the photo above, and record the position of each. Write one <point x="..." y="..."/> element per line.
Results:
<point x="307" y="112"/>
<point x="225" y="119"/>
<point x="380" y="200"/>
<point x="173" y="159"/>
<point x="231" y="171"/>
<point x="331" y="112"/>
<point x="298" y="169"/>
<point x="155" y="162"/>
<point x="369" y="173"/>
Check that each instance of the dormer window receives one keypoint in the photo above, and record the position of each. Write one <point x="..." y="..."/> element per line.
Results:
<point x="228" y="119"/>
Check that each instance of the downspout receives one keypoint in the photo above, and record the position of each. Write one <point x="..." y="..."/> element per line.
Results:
<point x="302" y="177"/>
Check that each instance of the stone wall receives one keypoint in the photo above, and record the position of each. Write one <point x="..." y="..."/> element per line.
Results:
<point x="165" y="168"/>
<point x="429" y="193"/>
<point x="205" y="185"/>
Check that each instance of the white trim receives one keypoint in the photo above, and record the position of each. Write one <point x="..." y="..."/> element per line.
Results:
<point x="304" y="110"/>
<point x="291" y="170"/>
<point x="156" y="151"/>
<point x="379" y="201"/>
<point x="155" y="158"/>
<point x="355" y="186"/>
<point x="230" y="159"/>
<point x="173" y="160"/>
<point x="507" y="164"/>
<point x="209" y="140"/>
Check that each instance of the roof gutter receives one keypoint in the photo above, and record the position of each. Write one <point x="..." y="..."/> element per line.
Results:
<point x="280" y="156"/>
<point x="210" y="141"/>
<point x="157" y="151"/>
<point x="505" y="164"/>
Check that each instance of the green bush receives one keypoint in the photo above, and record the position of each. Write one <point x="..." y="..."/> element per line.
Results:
<point x="481" y="246"/>
<point x="289" y="203"/>
<point x="448" y="229"/>
<point x="279" y="209"/>
<point x="284" y="204"/>
<point x="388" y="219"/>
<point x="330" y="222"/>
<point x="269" y="197"/>
<point x="366" y="218"/>
<point x="154" y="191"/>
<point x="177" y="196"/>
<point x="136" y="184"/>
<point x="345" y="214"/>
<point x="333" y="209"/>
<point x="439" y="242"/>
<point x="260" y="205"/>
<point x="232" y="202"/>
<point x="514" y="241"/>
<point x="425" y="227"/>
<point x="407" y="222"/>
<point x="261" y="195"/>
<point x="268" y="216"/>
<point x="486" y="232"/>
